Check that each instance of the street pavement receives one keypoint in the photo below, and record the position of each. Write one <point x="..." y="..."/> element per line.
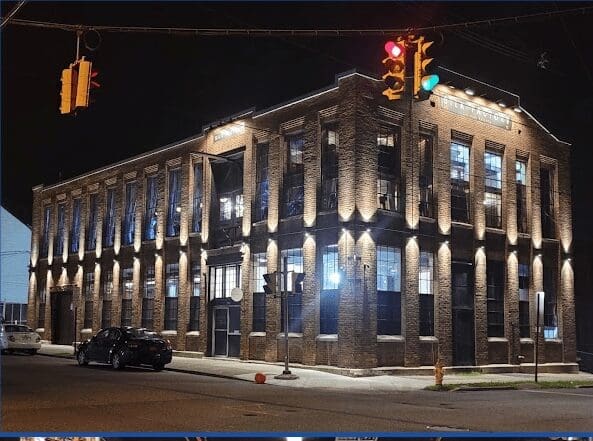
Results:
<point x="48" y="394"/>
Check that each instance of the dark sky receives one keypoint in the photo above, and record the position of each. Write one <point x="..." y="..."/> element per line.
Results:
<point x="157" y="88"/>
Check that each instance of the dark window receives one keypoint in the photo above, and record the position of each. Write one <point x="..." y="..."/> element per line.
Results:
<point x="59" y="243"/>
<point x="109" y="224"/>
<point x="174" y="208"/>
<point x="293" y="179"/>
<point x="460" y="191"/>
<point x="197" y="203"/>
<point x="425" y="147"/>
<point x="148" y="297"/>
<point x="194" y="301"/>
<point x="262" y="186"/>
<point x="547" y="203"/>
<point x="521" y="178"/>
<point x="550" y="304"/>
<point x="493" y="189"/>
<point x="129" y="228"/>
<point x="42" y="298"/>
<point x="328" y="305"/>
<point x="294" y="263"/>
<point x="75" y="228"/>
<point x="388" y="290"/>
<point x="389" y="169"/>
<point x="107" y="293"/>
<point x="150" y="217"/>
<point x="495" y="296"/>
<point x="91" y="232"/>
<point x="171" y="296"/>
<point x="127" y="290"/>
<point x="45" y="234"/>
<point x="89" y="286"/>
<point x="524" y="300"/>
<point x="258" y="269"/>
<point x="329" y="168"/>
<point x="425" y="290"/>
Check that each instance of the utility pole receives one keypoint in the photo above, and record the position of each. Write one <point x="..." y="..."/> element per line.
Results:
<point x="286" y="374"/>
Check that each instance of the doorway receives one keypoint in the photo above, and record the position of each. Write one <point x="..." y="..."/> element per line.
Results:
<point x="226" y="330"/>
<point x="62" y="318"/>
<point x="462" y="305"/>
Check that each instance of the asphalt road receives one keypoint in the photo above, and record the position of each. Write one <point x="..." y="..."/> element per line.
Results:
<point x="52" y="394"/>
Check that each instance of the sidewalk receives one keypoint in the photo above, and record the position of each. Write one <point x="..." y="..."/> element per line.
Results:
<point x="318" y="377"/>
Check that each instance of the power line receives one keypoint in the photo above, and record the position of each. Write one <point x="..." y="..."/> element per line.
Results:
<point x="310" y="32"/>
<point x="12" y="13"/>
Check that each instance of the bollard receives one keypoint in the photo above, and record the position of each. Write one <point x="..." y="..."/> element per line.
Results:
<point x="260" y="378"/>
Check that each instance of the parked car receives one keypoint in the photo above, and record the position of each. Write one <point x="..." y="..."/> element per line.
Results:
<point x="22" y="338"/>
<point x="3" y="338"/>
<point x="126" y="346"/>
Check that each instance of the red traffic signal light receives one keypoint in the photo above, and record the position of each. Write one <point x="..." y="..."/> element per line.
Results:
<point x="393" y="49"/>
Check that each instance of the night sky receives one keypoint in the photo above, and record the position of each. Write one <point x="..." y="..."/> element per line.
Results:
<point x="157" y="88"/>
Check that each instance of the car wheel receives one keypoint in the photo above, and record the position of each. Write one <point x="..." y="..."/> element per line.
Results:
<point x="32" y="351"/>
<point x="116" y="361"/>
<point x="82" y="358"/>
<point x="158" y="366"/>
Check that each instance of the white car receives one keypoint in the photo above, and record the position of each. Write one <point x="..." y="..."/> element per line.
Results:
<point x="3" y="338"/>
<point x="22" y="338"/>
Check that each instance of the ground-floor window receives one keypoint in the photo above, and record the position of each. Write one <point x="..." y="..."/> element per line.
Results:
<point x="259" y="312"/>
<point x="524" y="300"/>
<point x="495" y="296"/>
<point x="425" y="290"/>
<point x="88" y="314"/>
<point x="550" y="304"/>
<point x="106" y="314"/>
<point x="328" y="311"/>
<point x="126" y="312"/>
<point x="389" y="313"/>
<point x="194" y="301"/>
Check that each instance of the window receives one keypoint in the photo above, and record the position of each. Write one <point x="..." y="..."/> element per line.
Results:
<point x="46" y="227"/>
<point x="91" y="232"/>
<point x="460" y="197"/>
<point x="550" y="304"/>
<point x="259" y="266"/>
<point x="546" y="187"/>
<point x="293" y="178"/>
<point x="150" y="217"/>
<point x="59" y="242"/>
<point x="294" y="262"/>
<point x="107" y="293"/>
<point x="493" y="189"/>
<point x="329" y="168"/>
<point x="109" y="222"/>
<point x="425" y="290"/>
<point x="194" y="300"/>
<point x="328" y="305"/>
<point x="148" y="297"/>
<point x="129" y="228"/>
<point x="42" y="298"/>
<point x="174" y="207"/>
<point x="521" y="179"/>
<point x="425" y="147"/>
<point x="524" y="300"/>
<point x="171" y="295"/>
<point x="389" y="168"/>
<point x="388" y="290"/>
<point x="223" y="279"/>
<point x="231" y="207"/>
<point x="197" y="203"/>
<point x="495" y="297"/>
<point x="75" y="228"/>
<point x="262" y="185"/>
<point x="127" y="290"/>
<point x="89" y="286"/>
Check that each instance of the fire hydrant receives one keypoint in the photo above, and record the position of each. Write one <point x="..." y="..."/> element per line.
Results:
<point x="439" y="372"/>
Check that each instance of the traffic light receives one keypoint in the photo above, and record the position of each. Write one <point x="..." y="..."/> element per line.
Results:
<point x="395" y="62"/>
<point x="68" y="86"/>
<point x="271" y="285"/>
<point x="423" y="83"/>
<point x="83" y="85"/>
<point x="297" y="283"/>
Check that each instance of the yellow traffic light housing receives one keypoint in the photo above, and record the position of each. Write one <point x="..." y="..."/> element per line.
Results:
<point x="395" y="62"/>
<point x="421" y="62"/>
<point x="83" y="85"/>
<point x="68" y="85"/>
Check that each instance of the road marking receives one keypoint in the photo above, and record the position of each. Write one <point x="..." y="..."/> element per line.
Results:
<point x="558" y="393"/>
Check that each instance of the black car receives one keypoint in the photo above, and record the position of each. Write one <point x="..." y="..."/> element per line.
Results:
<point x="126" y="346"/>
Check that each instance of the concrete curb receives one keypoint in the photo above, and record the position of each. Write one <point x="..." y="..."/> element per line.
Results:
<point x="477" y="388"/>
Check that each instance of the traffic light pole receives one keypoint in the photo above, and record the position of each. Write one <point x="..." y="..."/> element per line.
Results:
<point x="286" y="374"/>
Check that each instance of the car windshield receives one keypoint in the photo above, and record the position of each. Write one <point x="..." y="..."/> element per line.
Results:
<point x="140" y="332"/>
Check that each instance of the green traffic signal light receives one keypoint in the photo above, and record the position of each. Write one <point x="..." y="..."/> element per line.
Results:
<point x="429" y="82"/>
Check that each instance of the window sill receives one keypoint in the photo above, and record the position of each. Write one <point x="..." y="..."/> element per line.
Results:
<point x="393" y="213"/>
<point x="259" y="334"/>
<point x="191" y="333"/>
<point x="553" y="340"/>
<point x="523" y="235"/>
<point x="431" y="220"/>
<point x="327" y="337"/>
<point x="390" y="338"/>
<point x="549" y="239"/>
<point x="498" y="340"/>
<point x="168" y="333"/>
<point x="429" y="338"/>
<point x="462" y="224"/>
<point x="86" y="331"/>
<point x="290" y="335"/>
<point x="526" y="340"/>
<point x="494" y="230"/>
<point x="40" y="330"/>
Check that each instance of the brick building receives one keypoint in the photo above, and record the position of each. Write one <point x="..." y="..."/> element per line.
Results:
<point x="423" y="230"/>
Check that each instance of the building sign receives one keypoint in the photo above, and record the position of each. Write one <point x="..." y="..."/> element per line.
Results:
<point x="231" y="130"/>
<point x="475" y="111"/>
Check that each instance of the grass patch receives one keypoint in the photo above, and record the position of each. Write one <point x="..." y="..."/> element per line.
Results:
<point x="513" y="385"/>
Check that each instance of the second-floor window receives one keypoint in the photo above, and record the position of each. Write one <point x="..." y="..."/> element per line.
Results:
<point x="329" y="168"/>
<point x="460" y="189"/>
<point x="293" y="195"/>
<point x="425" y="147"/>
<point x="150" y="216"/>
<point x="546" y="186"/>
<point x="493" y="188"/>
<point x="389" y="169"/>
<point x="91" y="231"/>
<point x="197" y="202"/>
<point x="59" y="241"/>
<point x="46" y="228"/>
<point x="130" y="214"/>
<point x="174" y="209"/>
<point x="521" y="186"/>
<point x="262" y="184"/>
<point x="75" y="228"/>
<point x="388" y="290"/>
<point x="109" y="225"/>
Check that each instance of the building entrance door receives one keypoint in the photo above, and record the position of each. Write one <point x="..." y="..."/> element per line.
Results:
<point x="462" y="293"/>
<point x="226" y="332"/>
<point x="62" y="318"/>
